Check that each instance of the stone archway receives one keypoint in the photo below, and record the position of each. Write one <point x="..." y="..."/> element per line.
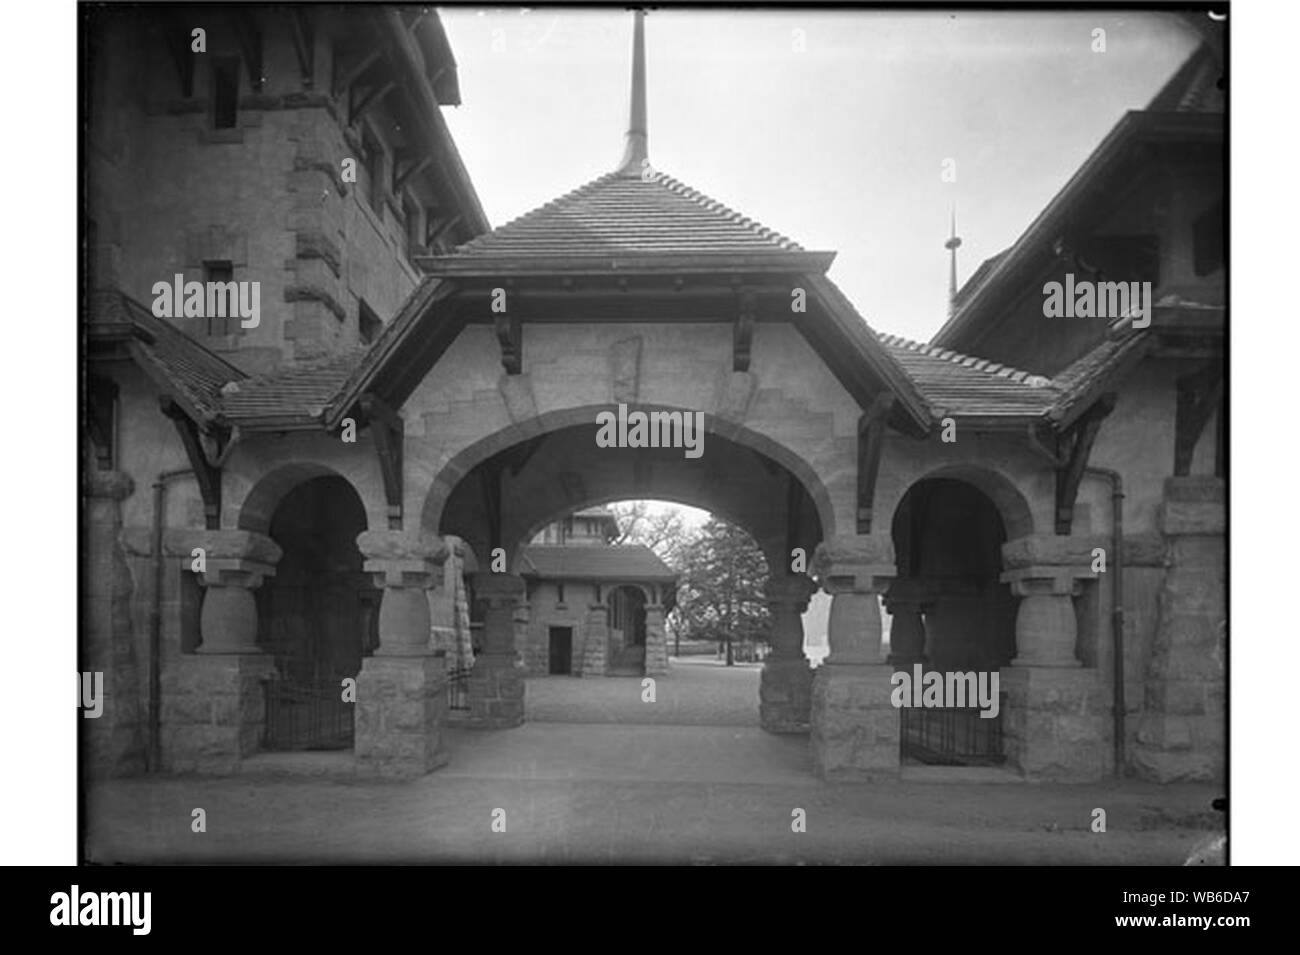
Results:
<point x="951" y="613"/>
<point x="496" y="495"/>
<point x="317" y="616"/>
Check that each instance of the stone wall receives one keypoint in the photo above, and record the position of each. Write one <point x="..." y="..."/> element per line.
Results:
<point x="1182" y="733"/>
<point x="168" y="192"/>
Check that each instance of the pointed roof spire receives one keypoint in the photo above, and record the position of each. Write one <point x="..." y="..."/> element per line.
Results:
<point x="637" y="151"/>
<point x="952" y="245"/>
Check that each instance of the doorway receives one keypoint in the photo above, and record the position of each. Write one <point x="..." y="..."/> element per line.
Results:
<point x="561" y="651"/>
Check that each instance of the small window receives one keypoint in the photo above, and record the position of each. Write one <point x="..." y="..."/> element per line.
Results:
<point x="225" y="92"/>
<point x="559" y="590"/>
<point x="1207" y="241"/>
<point x="220" y="271"/>
<point x="368" y="324"/>
<point x="372" y="160"/>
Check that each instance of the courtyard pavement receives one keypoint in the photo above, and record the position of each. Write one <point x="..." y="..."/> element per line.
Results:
<point x="611" y="790"/>
<point x="695" y="691"/>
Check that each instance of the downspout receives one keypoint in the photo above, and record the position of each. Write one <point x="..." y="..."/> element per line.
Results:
<point x="1116" y="586"/>
<point x="155" y="618"/>
<point x="1117" y="604"/>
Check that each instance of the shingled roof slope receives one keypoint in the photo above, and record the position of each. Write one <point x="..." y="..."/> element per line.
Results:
<point x="300" y="390"/>
<point x="617" y="217"/>
<point x="953" y="383"/>
<point x="594" y="562"/>
<point x="176" y="362"/>
<point x="1082" y="381"/>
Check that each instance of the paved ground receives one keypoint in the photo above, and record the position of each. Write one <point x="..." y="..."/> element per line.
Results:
<point x="618" y="791"/>
<point x="695" y="690"/>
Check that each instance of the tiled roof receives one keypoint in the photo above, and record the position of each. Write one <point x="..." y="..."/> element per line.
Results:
<point x="176" y="361"/>
<point x="618" y="216"/>
<point x="1081" y="381"/>
<point x="953" y="383"/>
<point x="594" y="562"/>
<point x="299" y="391"/>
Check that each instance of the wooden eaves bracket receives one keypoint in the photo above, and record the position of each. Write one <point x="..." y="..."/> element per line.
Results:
<point x="871" y="441"/>
<point x="389" y="432"/>
<point x="1077" y="443"/>
<point x="206" y="473"/>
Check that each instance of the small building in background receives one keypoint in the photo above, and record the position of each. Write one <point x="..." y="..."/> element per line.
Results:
<point x="595" y="608"/>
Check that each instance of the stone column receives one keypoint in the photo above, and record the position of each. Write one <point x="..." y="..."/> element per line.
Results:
<point x="1055" y="723"/>
<point x="115" y="740"/>
<point x="1180" y="733"/>
<point x="907" y="601"/>
<point x="656" y="641"/>
<point x="496" y="684"/>
<point x="402" y="688"/>
<point x="595" y="640"/>
<point x="785" y="687"/>
<point x="213" y="702"/>
<point x="855" y="729"/>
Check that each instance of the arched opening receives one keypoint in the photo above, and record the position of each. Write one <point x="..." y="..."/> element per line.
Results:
<point x="951" y="614"/>
<point x="317" y="615"/>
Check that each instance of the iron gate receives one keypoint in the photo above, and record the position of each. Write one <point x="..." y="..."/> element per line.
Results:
<point x="458" y="687"/>
<point x="306" y="715"/>
<point x="952" y="736"/>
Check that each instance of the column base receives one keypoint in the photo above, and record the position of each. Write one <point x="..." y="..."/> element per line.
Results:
<point x="1056" y="725"/>
<point x="855" y="727"/>
<point x="213" y="711"/>
<point x="400" y="711"/>
<point x="785" y="695"/>
<point x="496" y="692"/>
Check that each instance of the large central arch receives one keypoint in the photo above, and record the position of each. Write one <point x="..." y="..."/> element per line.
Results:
<point x="552" y="464"/>
<point x="497" y="493"/>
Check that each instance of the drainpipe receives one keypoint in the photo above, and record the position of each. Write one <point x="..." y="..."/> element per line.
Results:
<point x="1116" y="587"/>
<point x="155" y="618"/>
<point x="1117" y="603"/>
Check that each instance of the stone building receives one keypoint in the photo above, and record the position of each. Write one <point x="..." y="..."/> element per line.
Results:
<point x="595" y="608"/>
<point x="1040" y="496"/>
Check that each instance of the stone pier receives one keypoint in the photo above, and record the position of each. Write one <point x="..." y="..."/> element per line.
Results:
<point x="402" y="688"/>
<point x="855" y="727"/>
<point x="115" y="740"/>
<point x="496" y="684"/>
<point x="785" y="687"/>
<point x="1181" y="733"/>
<point x="213" y="703"/>
<point x="1056" y="724"/>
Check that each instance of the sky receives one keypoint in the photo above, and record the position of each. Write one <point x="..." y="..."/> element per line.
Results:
<point x="829" y="126"/>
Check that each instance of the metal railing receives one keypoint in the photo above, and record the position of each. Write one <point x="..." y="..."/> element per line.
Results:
<point x="458" y="687"/>
<point x="302" y="715"/>
<point x="952" y="736"/>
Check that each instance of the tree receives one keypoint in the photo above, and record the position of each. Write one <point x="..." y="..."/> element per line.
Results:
<point x="663" y="531"/>
<point x="720" y="593"/>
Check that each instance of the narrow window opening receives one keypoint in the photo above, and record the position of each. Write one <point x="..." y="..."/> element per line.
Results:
<point x="225" y="93"/>
<point x="220" y="271"/>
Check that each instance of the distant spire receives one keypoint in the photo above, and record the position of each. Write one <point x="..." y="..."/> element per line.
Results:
<point x="638" y="147"/>
<point x="952" y="245"/>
